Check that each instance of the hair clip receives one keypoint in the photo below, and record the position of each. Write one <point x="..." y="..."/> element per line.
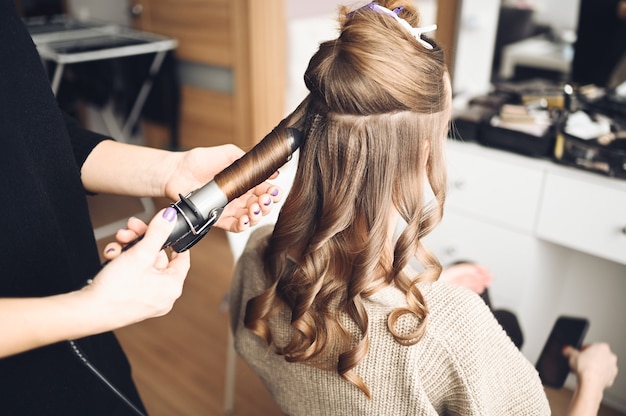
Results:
<point x="415" y="31"/>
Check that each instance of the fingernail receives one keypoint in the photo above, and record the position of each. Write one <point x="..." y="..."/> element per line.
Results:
<point x="246" y="221"/>
<point x="257" y="211"/>
<point x="266" y="203"/>
<point x="275" y="192"/>
<point x="170" y="214"/>
<point x="110" y="250"/>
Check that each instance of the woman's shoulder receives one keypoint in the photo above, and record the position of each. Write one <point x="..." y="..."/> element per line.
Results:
<point x="455" y="311"/>
<point x="439" y="296"/>
<point x="442" y="295"/>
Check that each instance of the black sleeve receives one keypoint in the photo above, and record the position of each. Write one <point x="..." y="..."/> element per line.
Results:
<point x="83" y="140"/>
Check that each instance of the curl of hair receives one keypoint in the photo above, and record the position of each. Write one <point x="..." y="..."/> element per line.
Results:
<point x="374" y="126"/>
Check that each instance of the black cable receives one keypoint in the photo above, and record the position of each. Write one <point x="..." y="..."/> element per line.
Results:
<point x="78" y="352"/>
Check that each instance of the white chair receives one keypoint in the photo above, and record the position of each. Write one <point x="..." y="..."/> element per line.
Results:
<point x="237" y="243"/>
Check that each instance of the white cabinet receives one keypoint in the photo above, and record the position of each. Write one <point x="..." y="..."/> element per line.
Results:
<point x="478" y="187"/>
<point x="585" y="216"/>
<point x="564" y="206"/>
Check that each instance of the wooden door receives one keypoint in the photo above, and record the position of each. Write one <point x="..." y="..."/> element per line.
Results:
<point x="447" y="25"/>
<point x="241" y="43"/>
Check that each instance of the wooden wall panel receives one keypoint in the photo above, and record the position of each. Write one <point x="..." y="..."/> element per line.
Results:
<point x="260" y="67"/>
<point x="156" y="135"/>
<point x="245" y="36"/>
<point x="447" y="26"/>
<point x="268" y="64"/>
<point x="207" y="117"/>
<point x="202" y="27"/>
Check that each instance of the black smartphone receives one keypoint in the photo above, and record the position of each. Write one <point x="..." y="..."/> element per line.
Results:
<point x="552" y="366"/>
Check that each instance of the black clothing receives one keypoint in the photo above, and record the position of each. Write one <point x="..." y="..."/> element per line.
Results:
<point x="600" y="42"/>
<point x="47" y="245"/>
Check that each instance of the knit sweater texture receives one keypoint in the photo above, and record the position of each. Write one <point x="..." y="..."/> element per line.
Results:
<point x="464" y="365"/>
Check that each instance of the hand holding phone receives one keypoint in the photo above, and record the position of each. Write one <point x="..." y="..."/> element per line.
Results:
<point x="552" y="366"/>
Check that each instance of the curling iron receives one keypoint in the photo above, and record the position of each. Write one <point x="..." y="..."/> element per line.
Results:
<point x="199" y="210"/>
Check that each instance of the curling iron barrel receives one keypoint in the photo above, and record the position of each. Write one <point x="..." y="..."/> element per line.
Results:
<point x="200" y="209"/>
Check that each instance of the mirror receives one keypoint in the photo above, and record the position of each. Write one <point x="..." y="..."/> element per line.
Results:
<point x="504" y="39"/>
<point x="534" y="40"/>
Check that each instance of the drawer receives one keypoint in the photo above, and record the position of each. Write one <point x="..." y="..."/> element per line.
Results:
<point x="493" y="189"/>
<point x="587" y="217"/>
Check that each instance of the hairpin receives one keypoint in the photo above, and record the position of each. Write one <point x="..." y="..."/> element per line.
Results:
<point x="415" y="31"/>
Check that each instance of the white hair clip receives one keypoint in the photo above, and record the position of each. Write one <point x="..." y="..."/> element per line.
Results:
<point x="415" y="31"/>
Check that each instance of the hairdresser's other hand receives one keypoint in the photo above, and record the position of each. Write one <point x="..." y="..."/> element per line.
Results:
<point x="472" y="276"/>
<point x="594" y="363"/>
<point x="198" y="166"/>
<point x="134" y="229"/>
<point x="143" y="282"/>
<point x="596" y="368"/>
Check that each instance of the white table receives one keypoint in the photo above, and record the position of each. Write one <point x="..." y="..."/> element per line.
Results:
<point x="69" y="42"/>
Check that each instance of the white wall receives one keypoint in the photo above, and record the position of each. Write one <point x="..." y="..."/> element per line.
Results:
<point x="561" y="14"/>
<point x="303" y="9"/>
<point x="115" y="11"/>
<point x="475" y="41"/>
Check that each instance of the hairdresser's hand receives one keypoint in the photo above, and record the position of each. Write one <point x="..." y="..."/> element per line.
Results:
<point x="198" y="166"/>
<point x="135" y="228"/>
<point x="142" y="282"/>
<point x="472" y="276"/>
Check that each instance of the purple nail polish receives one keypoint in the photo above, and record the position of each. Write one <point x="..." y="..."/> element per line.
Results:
<point x="275" y="192"/>
<point x="110" y="250"/>
<point x="170" y="214"/>
<point x="257" y="211"/>
<point x="267" y="203"/>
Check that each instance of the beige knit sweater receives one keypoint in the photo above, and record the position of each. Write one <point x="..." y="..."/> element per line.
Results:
<point x="464" y="365"/>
